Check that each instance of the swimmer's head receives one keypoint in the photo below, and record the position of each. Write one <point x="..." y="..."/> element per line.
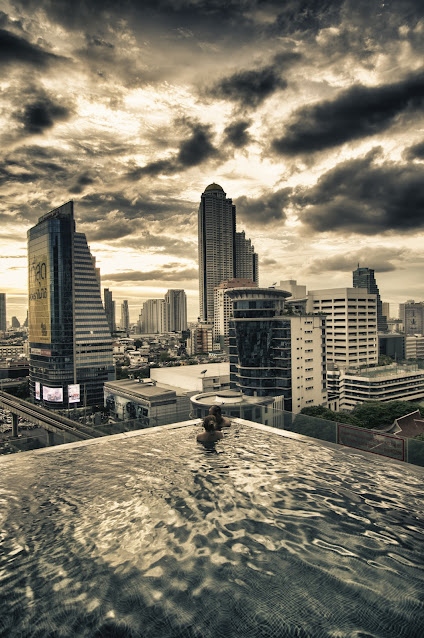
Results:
<point x="209" y="423"/>
<point x="215" y="411"/>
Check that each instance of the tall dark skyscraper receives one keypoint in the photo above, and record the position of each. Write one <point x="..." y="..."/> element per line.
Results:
<point x="2" y="311"/>
<point x="109" y="309"/>
<point x="223" y="253"/>
<point x="364" y="278"/>
<point x="69" y="339"/>
<point x="217" y="229"/>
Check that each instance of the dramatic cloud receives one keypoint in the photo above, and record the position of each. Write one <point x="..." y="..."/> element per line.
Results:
<point x="236" y="133"/>
<point x="379" y="259"/>
<point x="356" y="113"/>
<point x="41" y="114"/>
<point x="415" y="152"/>
<point x="15" y="49"/>
<point x="160" y="274"/>
<point x="194" y="150"/>
<point x="267" y="208"/>
<point x="365" y="197"/>
<point x="249" y="88"/>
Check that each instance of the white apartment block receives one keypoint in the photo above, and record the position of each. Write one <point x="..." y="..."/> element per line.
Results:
<point x="291" y="285"/>
<point x="351" y="326"/>
<point x="308" y="361"/>
<point x="414" y="347"/>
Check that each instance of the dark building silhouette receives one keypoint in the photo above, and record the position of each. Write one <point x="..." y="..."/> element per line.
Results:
<point x="109" y="309"/>
<point x="2" y="311"/>
<point x="364" y="278"/>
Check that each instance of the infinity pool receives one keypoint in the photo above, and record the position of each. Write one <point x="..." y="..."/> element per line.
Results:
<point x="155" y="536"/>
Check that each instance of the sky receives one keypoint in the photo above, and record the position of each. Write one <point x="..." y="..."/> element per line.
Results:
<point x="308" y="113"/>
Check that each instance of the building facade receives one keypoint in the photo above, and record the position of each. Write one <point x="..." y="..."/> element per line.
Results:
<point x="2" y="312"/>
<point x="153" y="316"/>
<point x="175" y="311"/>
<point x="247" y="266"/>
<point x="411" y="315"/>
<point x="109" y="305"/>
<point x="216" y="244"/>
<point x="274" y="352"/>
<point x="223" y="308"/>
<point x="414" y="346"/>
<point x="125" y="316"/>
<point x="386" y="383"/>
<point x="70" y="346"/>
<point x="351" y="326"/>
<point x="365" y="278"/>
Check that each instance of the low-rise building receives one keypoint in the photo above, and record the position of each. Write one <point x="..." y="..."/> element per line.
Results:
<point x="384" y="383"/>
<point x="129" y="399"/>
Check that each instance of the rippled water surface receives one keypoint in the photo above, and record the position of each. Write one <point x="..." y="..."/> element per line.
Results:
<point x="155" y="536"/>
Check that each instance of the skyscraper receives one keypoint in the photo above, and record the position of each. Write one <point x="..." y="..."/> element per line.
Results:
<point x="364" y="278"/>
<point x="109" y="309"/>
<point x="2" y="311"/>
<point x="125" y="316"/>
<point x="153" y="316"/>
<point x="217" y="229"/>
<point x="69" y="339"/>
<point x="246" y="259"/>
<point x="175" y="311"/>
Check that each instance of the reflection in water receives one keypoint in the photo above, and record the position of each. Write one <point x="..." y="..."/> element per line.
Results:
<point x="259" y="536"/>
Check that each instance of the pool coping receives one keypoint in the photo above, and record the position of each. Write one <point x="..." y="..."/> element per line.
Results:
<point x="409" y="467"/>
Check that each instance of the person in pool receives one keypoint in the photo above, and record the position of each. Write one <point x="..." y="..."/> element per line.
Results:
<point x="221" y="421"/>
<point x="210" y="435"/>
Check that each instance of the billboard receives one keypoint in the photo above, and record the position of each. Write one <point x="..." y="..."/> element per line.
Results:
<point x="74" y="393"/>
<point x="53" y="394"/>
<point x="37" y="390"/>
<point x="39" y="323"/>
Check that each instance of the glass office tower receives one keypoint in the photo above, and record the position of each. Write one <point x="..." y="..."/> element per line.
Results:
<point x="260" y="343"/>
<point x="69" y="338"/>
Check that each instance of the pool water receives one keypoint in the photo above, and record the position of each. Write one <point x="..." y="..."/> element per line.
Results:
<point x="156" y="536"/>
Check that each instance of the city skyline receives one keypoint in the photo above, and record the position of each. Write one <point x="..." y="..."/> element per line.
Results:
<point x="308" y="116"/>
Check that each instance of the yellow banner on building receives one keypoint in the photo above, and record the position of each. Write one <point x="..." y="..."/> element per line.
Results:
<point x="39" y="321"/>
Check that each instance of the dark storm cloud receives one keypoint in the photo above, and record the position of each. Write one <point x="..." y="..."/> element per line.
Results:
<point x="42" y="114"/>
<point x="15" y="49"/>
<point x="236" y="133"/>
<point x="194" y="150"/>
<point x="249" y="88"/>
<point x="415" y="152"/>
<point x="357" y="113"/>
<point x="379" y="259"/>
<point x="267" y="208"/>
<point x="160" y="274"/>
<point x="82" y="181"/>
<point x="366" y="197"/>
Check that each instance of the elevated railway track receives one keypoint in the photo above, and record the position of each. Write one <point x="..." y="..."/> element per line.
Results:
<point x="50" y="421"/>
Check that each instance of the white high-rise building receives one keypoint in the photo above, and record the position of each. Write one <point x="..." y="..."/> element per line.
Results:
<point x="223" y="308"/>
<point x="217" y="229"/>
<point x="175" y="311"/>
<point x="125" y="316"/>
<point x="351" y="326"/>
<point x="153" y="313"/>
